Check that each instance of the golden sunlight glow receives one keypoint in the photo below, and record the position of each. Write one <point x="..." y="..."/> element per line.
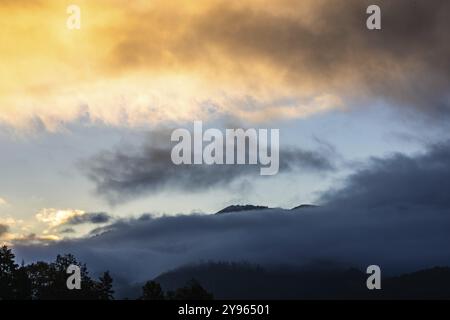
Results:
<point x="141" y="63"/>
<point x="57" y="217"/>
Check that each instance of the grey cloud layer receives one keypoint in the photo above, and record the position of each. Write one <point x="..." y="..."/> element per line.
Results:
<point x="402" y="182"/>
<point x="394" y="213"/>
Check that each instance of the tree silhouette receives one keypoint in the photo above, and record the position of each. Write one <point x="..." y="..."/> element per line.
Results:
<point x="41" y="277"/>
<point x="152" y="291"/>
<point x="48" y="281"/>
<point x="104" y="287"/>
<point x="14" y="283"/>
<point x="22" y="285"/>
<point x="7" y="268"/>
<point x="192" y="291"/>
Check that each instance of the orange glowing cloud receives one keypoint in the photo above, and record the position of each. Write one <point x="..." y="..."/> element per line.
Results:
<point x="147" y="62"/>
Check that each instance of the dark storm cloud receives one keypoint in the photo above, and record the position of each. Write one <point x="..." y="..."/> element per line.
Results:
<point x="321" y="44"/>
<point x="3" y="229"/>
<point x="394" y="213"/>
<point x="90" y="217"/>
<point x="126" y="173"/>
<point x="401" y="182"/>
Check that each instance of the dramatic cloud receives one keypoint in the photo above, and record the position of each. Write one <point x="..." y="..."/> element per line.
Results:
<point x="314" y="45"/>
<point x="56" y="217"/>
<point x="252" y="60"/>
<point x="59" y="217"/>
<point x="398" y="218"/>
<point x="129" y="172"/>
<point x="400" y="182"/>
<point x="9" y="228"/>
<point x="92" y="217"/>
<point x="158" y="62"/>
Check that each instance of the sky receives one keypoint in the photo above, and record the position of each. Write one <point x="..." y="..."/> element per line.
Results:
<point x="86" y="117"/>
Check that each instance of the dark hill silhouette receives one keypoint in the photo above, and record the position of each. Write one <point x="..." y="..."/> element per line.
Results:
<point x="220" y="280"/>
<point x="246" y="281"/>
<point x="237" y="208"/>
<point x="431" y="283"/>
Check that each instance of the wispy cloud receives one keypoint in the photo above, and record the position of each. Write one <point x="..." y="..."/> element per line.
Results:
<point x="89" y="217"/>
<point x="126" y="173"/>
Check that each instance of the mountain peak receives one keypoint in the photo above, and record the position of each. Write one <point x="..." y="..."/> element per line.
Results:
<point x="237" y="208"/>
<point x="305" y="206"/>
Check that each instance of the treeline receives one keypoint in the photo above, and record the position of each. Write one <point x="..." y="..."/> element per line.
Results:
<point x="47" y="281"/>
<point x="321" y="280"/>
